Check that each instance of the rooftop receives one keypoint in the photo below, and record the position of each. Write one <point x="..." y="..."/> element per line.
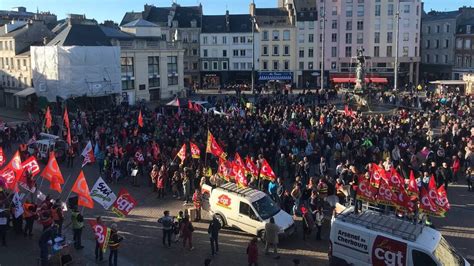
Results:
<point x="436" y="15"/>
<point x="81" y="35"/>
<point x="217" y="24"/>
<point x="139" y="23"/>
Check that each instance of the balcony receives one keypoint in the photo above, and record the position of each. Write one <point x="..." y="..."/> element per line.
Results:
<point x="150" y="45"/>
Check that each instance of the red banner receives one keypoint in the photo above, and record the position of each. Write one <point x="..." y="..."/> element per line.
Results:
<point x="385" y="196"/>
<point x="365" y="191"/>
<point x="102" y="234"/>
<point x="395" y="180"/>
<point x="443" y="202"/>
<point x="12" y="172"/>
<point x="251" y="167"/>
<point x="428" y="206"/>
<point x="376" y="174"/>
<point x="412" y="189"/>
<point x="124" y="203"/>
<point x="240" y="178"/>
<point x="266" y="171"/>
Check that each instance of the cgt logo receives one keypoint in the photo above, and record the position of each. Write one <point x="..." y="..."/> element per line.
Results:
<point x="224" y="201"/>
<point x="388" y="252"/>
<point x="124" y="205"/>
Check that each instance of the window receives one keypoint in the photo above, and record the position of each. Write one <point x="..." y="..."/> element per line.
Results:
<point x="334" y="24"/>
<point x="245" y="209"/>
<point x="360" y="25"/>
<point x="242" y="66"/>
<point x="349" y="25"/>
<point x="406" y="9"/>
<point x="446" y="28"/>
<point x="214" y="39"/>
<point x="224" y="39"/>
<point x="428" y="29"/>
<point x="348" y="38"/>
<point x="301" y="65"/>
<point x="265" y="50"/>
<point x="275" y="50"/>
<point x="438" y="28"/>
<point x="406" y="23"/>
<point x="301" y="25"/>
<point x="349" y="11"/>
<point x="377" y="10"/>
<point x="333" y="65"/>
<point x="459" y="61"/>
<point x="310" y="26"/>
<point x="172" y="70"/>
<point x="265" y="65"/>
<point x="153" y="71"/>
<point x="333" y="51"/>
<point x="287" y="64"/>
<point x="376" y="51"/>
<point x="445" y="59"/>
<point x="436" y="58"/>
<point x="421" y="258"/>
<point x="276" y="35"/>
<point x="236" y="66"/>
<point x="235" y="39"/>
<point x="310" y="65"/>
<point x="446" y="43"/>
<point x="360" y="38"/>
<point x="459" y="43"/>
<point x="377" y="24"/>
<point x="334" y="37"/>
<point x="242" y="52"/>
<point x="195" y="52"/>
<point x="265" y="36"/>
<point x="243" y="39"/>
<point x="311" y="38"/>
<point x="360" y="10"/>
<point x="195" y="66"/>
<point x="334" y="11"/>
<point x="437" y="44"/>
<point x="406" y="36"/>
<point x="348" y="51"/>
<point x="204" y="40"/>
<point x="427" y="44"/>
<point x="389" y="37"/>
<point x="389" y="51"/>
<point x="215" y="65"/>
<point x="286" y="35"/>
<point x="286" y="50"/>
<point x="310" y="52"/>
<point x="205" y="53"/>
<point x="224" y="66"/>
<point x="126" y="65"/>
<point x="301" y="53"/>
<point x="224" y="53"/>
<point x="275" y="65"/>
<point x="249" y="65"/>
<point x="301" y="38"/>
<point x="235" y="53"/>
<point x="405" y="51"/>
<point x="377" y="37"/>
<point x="390" y="10"/>
<point x="467" y="44"/>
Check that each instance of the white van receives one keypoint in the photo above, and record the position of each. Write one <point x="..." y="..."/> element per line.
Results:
<point x="374" y="238"/>
<point x="245" y="208"/>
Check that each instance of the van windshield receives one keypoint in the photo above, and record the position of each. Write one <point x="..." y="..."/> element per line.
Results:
<point x="266" y="207"/>
<point x="446" y="254"/>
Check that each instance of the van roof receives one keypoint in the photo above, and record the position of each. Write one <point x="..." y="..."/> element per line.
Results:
<point x="394" y="227"/>
<point x="249" y="193"/>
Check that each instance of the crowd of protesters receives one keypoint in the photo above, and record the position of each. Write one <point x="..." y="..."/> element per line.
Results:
<point x="314" y="149"/>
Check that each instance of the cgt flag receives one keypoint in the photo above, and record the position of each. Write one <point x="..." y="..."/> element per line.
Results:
<point x="102" y="234"/>
<point x="47" y="118"/>
<point x="2" y="157"/>
<point x="12" y="172"/>
<point x="266" y="171"/>
<point x="214" y="148"/>
<point x="195" y="151"/>
<point x="82" y="190"/>
<point x="124" y="203"/>
<point x="251" y="167"/>
<point x="140" y="119"/>
<point x="88" y="154"/>
<point x="182" y="153"/>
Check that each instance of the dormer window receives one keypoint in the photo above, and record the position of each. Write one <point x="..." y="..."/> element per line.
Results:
<point x="193" y="23"/>
<point x="175" y="23"/>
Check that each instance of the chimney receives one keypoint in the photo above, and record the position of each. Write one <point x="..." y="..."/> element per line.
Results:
<point x="45" y="40"/>
<point x="227" y="20"/>
<point x="252" y="9"/>
<point x="291" y="13"/>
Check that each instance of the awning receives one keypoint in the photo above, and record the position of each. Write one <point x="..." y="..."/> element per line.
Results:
<point x="275" y="76"/>
<point x="343" y="80"/>
<point x="448" y="82"/>
<point x="26" y="92"/>
<point x="378" y="80"/>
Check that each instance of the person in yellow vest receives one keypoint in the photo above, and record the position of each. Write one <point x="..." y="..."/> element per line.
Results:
<point x="30" y="216"/>
<point x="114" y="244"/>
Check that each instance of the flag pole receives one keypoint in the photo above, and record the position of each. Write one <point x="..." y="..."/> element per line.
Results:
<point x="67" y="180"/>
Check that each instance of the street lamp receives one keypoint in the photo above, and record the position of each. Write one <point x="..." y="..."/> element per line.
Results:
<point x="323" y="21"/>
<point x="397" y="30"/>
<point x="252" y="18"/>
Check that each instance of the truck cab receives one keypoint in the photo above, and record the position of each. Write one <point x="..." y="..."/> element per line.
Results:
<point x="246" y="209"/>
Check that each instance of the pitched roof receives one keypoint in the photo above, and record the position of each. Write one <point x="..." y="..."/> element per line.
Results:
<point x="213" y="24"/>
<point x="81" y="35"/>
<point x="14" y="32"/>
<point x="435" y="15"/>
<point x="156" y="14"/>
<point x="185" y="14"/>
<point x="140" y="23"/>
<point x="217" y="24"/>
<point x="130" y="16"/>
<point x="307" y="16"/>
<point x="115" y="33"/>
<point x="272" y="16"/>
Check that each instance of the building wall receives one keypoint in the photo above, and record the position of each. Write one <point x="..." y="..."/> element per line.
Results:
<point x="281" y="58"/>
<point x="464" y="54"/>
<point x="190" y="39"/>
<point x="307" y="63"/>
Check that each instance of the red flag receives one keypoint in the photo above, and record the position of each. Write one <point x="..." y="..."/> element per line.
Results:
<point x="214" y="148"/>
<point x="2" y="158"/>
<point x="82" y="190"/>
<point x="66" y="118"/>
<point x="102" y="234"/>
<point x="376" y="174"/>
<point x="412" y="190"/>
<point x="48" y="118"/>
<point x="240" y="178"/>
<point x="195" y="151"/>
<point x="88" y="154"/>
<point x="31" y="165"/>
<point x="69" y="141"/>
<point x="140" y="119"/>
<point x="251" y="167"/>
<point x="52" y="171"/>
<point x="443" y="202"/>
<point x="365" y="191"/>
<point x="428" y="206"/>
<point x="182" y="153"/>
<point x="396" y="181"/>
<point x="197" y="108"/>
<point x="404" y="203"/>
<point x="12" y="172"/>
<point x="238" y="160"/>
<point x="433" y="190"/>
<point x="190" y="106"/>
<point x="124" y="203"/>
<point x="224" y="170"/>
<point x="385" y="196"/>
<point x="266" y="171"/>
<point x="55" y="185"/>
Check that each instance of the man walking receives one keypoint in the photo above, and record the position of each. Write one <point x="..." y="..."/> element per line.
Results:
<point x="271" y="237"/>
<point x="167" y="222"/>
<point x="77" y="225"/>
<point x="213" y="231"/>
<point x="114" y="244"/>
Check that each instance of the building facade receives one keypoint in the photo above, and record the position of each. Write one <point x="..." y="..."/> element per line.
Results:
<point x="276" y="27"/>
<point x="371" y="25"/>
<point x="151" y="68"/>
<point x="227" y="47"/>
<point x="15" y="60"/>
<point x="21" y="14"/>
<point x="464" y="52"/>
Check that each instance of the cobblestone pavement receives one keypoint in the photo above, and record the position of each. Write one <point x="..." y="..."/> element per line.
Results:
<point x="142" y="244"/>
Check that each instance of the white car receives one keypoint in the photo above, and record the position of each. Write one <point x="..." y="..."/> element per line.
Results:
<point x="246" y="209"/>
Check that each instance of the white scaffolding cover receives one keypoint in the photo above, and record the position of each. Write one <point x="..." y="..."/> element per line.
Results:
<point x="73" y="71"/>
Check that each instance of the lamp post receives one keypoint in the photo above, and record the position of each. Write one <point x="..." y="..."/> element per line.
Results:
<point x="397" y="30"/>
<point x="253" y="53"/>
<point x="323" y="21"/>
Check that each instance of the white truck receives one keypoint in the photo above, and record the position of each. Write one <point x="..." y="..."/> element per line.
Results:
<point x="246" y="209"/>
<point x="374" y="238"/>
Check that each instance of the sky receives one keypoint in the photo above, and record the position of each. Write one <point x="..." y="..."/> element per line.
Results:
<point x="115" y="9"/>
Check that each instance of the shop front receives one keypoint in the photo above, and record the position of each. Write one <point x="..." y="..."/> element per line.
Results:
<point x="211" y="80"/>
